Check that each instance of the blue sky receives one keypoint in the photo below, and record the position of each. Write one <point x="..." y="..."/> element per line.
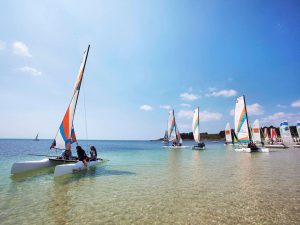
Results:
<point x="146" y="57"/>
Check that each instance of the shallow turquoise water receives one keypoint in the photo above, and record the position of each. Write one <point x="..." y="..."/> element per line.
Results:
<point x="146" y="184"/>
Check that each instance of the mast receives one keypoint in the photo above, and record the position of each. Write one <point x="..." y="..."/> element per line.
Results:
<point x="249" y="131"/>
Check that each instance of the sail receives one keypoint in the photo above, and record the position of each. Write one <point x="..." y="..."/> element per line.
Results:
<point x="285" y="132"/>
<point x="298" y="129"/>
<point x="266" y="134"/>
<point x="196" y="130"/>
<point x="240" y="120"/>
<point x="37" y="136"/>
<point x="228" y="135"/>
<point x="256" y="132"/>
<point x="63" y="138"/>
<point x="274" y="136"/>
<point x="171" y="126"/>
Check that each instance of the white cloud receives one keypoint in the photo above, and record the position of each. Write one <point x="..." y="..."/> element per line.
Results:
<point x="189" y="96"/>
<point x="167" y="107"/>
<point x="146" y="107"/>
<point x="30" y="70"/>
<point x="278" y="117"/>
<point x="19" y="48"/>
<point x="223" y="93"/>
<point x="2" y="45"/>
<point x="281" y="106"/>
<point x="204" y="115"/>
<point x="255" y="109"/>
<point x="296" y="103"/>
<point x="185" y="105"/>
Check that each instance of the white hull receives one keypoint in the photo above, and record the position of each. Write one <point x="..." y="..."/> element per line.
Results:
<point x="296" y="146"/>
<point x="249" y="150"/>
<point x="276" y="146"/>
<point x="228" y="144"/>
<point x="73" y="167"/>
<point x="26" y="166"/>
<point x="176" y="147"/>
<point x="198" y="148"/>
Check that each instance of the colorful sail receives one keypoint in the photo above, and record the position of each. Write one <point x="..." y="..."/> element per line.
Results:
<point x="196" y="130"/>
<point x="266" y="134"/>
<point x="64" y="137"/>
<point x="241" y="120"/>
<point x="228" y="135"/>
<point x="298" y="129"/>
<point x="274" y="136"/>
<point x="285" y="132"/>
<point x="171" y="126"/>
<point x="256" y="132"/>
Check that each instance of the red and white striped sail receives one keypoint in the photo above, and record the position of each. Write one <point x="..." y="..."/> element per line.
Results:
<point x="256" y="132"/>
<point x="274" y="136"/>
<point x="65" y="135"/>
<point x="266" y="134"/>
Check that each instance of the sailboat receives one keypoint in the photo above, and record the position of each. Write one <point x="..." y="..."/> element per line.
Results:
<point x="36" y="137"/>
<point x="242" y="128"/>
<point x="256" y="133"/>
<point x="285" y="133"/>
<point x="228" y="135"/>
<point x="298" y="140"/>
<point x="166" y="139"/>
<point x="64" y="138"/>
<point x="274" y="140"/>
<point x="173" y="131"/>
<point x="196" y="131"/>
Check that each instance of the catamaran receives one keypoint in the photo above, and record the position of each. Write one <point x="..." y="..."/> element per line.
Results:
<point x="65" y="136"/>
<point x="285" y="134"/>
<point x="298" y="132"/>
<point x="242" y="128"/>
<point x="273" y="140"/>
<point x="256" y="133"/>
<point x="173" y="132"/>
<point x="196" y="131"/>
<point x="228" y="135"/>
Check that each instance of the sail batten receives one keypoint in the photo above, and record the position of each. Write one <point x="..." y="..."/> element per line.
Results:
<point x="66" y="135"/>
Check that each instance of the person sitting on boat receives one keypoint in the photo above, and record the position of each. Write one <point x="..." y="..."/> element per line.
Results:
<point x="201" y="144"/>
<point x="81" y="155"/>
<point x="67" y="154"/>
<point x="93" y="153"/>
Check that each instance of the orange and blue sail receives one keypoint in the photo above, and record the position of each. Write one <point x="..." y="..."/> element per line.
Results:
<point x="66" y="135"/>
<point x="240" y="120"/>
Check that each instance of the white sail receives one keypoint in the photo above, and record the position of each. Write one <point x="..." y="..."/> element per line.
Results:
<point x="228" y="133"/>
<point x="195" y="127"/>
<point x="63" y="138"/>
<point x="285" y="132"/>
<point x="256" y="132"/>
<point x="240" y="120"/>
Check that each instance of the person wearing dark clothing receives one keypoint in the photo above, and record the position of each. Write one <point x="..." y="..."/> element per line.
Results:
<point x="81" y="155"/>
<point x="93" y="153"/>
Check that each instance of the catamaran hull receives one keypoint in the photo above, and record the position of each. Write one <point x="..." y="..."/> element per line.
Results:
<point x="296" y="146"/>
<point x="26" y="166"/>
<point x="176" y="147"/>
<point x="198" y="148"/>
<point x="249" y="150"/>
<point x="73" y="167"/>
<point x="276" y="146"/>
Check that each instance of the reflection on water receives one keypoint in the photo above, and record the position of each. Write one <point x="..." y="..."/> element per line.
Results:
<point x="149" y="185"/>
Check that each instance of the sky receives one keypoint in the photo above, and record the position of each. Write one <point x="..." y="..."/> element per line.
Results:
<point x="146" y="58"/>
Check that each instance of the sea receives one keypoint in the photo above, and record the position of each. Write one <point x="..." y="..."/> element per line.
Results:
<point x="142" y="182"/>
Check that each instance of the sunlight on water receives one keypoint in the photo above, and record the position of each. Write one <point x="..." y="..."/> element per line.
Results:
<point x="145" y="184"/>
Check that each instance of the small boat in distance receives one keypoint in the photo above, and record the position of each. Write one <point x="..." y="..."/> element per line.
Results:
<point x="274" y="140"/>
<point x="65" y="136"/>
<point x="228" y="135"/>
<point x="36" y="137"/>
<point x="285" y="134"/>
<point x="242" y="128"/>
<point x="173" y="131"/>
<point x="196" y="131"/>
<point x="297" y="145"/>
